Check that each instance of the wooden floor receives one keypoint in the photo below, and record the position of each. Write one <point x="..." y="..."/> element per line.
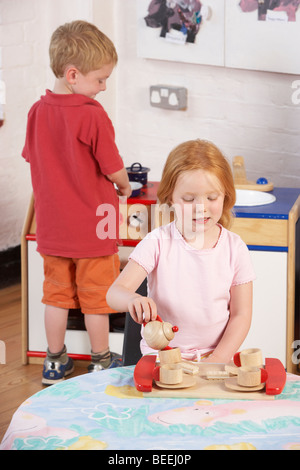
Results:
<point x="17" y="382"/>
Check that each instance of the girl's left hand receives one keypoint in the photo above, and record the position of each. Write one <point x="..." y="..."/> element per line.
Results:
<point x="213" y="358"/>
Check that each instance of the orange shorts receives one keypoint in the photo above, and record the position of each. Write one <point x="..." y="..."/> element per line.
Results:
<point x="79" y="283"/>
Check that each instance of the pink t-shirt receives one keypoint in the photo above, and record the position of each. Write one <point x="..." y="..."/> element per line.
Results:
<point x="70" y="145"/>
<point x="192" y="287"/>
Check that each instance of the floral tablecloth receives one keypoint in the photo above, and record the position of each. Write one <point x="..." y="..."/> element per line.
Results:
<point x="104" y="411"/>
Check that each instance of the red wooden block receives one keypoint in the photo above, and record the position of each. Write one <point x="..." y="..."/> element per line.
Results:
<point x="143" y="373"/>
<point x="276" y="376"/>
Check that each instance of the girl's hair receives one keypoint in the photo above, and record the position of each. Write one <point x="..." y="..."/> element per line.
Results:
<point x="81" y="44"/>
<point x="198" y="155"/>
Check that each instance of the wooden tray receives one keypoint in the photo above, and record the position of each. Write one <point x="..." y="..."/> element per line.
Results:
<point x="203" y="388"/>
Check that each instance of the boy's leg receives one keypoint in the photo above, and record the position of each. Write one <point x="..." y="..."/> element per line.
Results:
<point x="93" y="278"/>
<point x="57" y="364"/>
<point x="98" y="329"/>
<point x="59" y="291"/>
<point x="55" y="324"/>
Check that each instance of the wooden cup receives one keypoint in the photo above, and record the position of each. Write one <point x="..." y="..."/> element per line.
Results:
<point x="170" y="374"/>
<point x="251" y="358"/>
<point x="170" y="356"/>
<point x="251" y="376"/>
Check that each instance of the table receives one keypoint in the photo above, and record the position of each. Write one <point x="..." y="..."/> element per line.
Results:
<point x="103" y="410"/>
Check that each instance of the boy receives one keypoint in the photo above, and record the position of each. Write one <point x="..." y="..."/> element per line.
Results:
<point x="74" y="165"/>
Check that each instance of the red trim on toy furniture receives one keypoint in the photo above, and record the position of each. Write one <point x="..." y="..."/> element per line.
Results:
<point x="76" y="357"/>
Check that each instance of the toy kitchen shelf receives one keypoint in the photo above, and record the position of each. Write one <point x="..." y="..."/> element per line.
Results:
<point x="272" y="233"/>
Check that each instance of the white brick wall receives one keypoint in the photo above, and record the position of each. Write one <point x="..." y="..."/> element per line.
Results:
<point x="16" y="57"/>
<point x="244" y="112"/>
<point x="25" y="29"/>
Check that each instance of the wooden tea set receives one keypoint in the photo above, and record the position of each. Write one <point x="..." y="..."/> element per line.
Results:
<point x="169" y="376"/>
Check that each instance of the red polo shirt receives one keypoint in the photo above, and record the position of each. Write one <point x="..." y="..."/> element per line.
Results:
<point x="70" y="145"/>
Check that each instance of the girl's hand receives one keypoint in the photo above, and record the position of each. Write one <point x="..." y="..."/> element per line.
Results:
<point x="213" y="358"/>
<point x="142" y="309"/>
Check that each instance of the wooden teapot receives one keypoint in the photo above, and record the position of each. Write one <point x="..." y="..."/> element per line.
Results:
<point x="158" y="333"/>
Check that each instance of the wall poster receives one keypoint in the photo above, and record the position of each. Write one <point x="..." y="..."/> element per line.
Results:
<point x="263" y="35"/>
<point x="247" y="34"/>
<point x="181" y="30"/>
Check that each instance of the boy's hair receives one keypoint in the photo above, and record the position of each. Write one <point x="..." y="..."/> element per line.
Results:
<point x="82" y="45"/>
<point x="198" y="155"/>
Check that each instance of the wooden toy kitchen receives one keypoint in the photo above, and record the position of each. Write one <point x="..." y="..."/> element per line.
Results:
<point x="272" y="233"/>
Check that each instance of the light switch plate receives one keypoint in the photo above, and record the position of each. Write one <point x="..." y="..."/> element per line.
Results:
<point x="168" y="97"/>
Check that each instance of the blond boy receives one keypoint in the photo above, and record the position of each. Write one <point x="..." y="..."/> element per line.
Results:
<point x="74" y="164"/>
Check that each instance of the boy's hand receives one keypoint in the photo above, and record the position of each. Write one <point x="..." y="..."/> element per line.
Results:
<point x="126" y="191"/>
<point x="121" y="180"/>
<point x="142" y="309"/>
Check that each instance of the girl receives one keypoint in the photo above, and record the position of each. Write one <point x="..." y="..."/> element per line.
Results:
<point x="199" y="273"/>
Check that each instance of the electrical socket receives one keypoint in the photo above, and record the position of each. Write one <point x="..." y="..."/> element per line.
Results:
<point x="168" y="97"/>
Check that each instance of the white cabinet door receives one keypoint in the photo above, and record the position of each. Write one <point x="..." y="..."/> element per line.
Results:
<point x="268" y="329"/>
<point x="77" y="341"/>
<point x="36" y="329"/>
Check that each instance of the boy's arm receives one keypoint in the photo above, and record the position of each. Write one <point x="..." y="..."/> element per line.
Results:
<point x="120" y="179"/>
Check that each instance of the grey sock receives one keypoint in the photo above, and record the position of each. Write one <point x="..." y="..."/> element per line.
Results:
<point x="104" y="357"/>
<point x="62" y="355"/>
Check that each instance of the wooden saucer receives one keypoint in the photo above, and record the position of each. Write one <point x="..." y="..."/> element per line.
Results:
<point x="233" y="385"/>
<point x="188" y="381"/>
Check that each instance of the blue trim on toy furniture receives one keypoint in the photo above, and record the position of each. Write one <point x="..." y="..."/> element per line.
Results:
<point x="278" y="249"/>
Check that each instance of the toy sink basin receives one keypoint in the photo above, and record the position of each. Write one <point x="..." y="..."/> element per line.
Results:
<point x="247" y="197"/>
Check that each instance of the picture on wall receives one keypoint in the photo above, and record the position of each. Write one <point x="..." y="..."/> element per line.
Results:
<point x="181" y="30"/>
<point x="177" y="20"/>
<point x="262" y="35"/>
<point x="272" y="10"/>
<point x="246" y="34"/>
